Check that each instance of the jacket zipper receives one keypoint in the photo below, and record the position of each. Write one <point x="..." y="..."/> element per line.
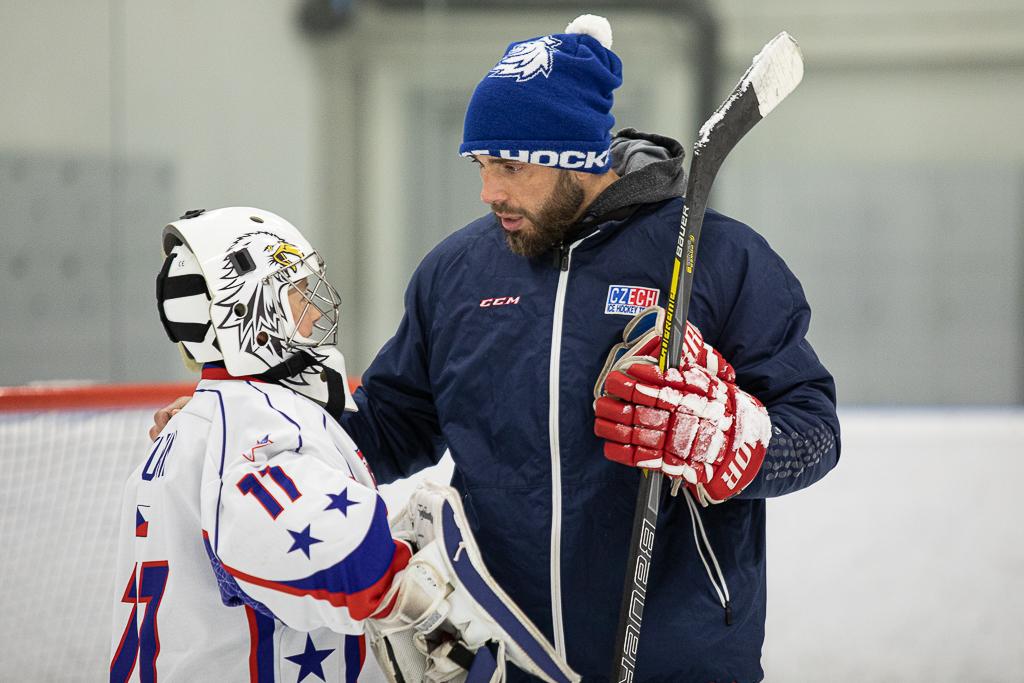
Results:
<point x="562" y="262"/>
<point x="565" y="257"/>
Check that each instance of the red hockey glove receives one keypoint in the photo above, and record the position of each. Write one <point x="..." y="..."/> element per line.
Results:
<point x="693" y="423"/>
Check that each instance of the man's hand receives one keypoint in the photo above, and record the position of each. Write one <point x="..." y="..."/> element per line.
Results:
<point x="164" y="415"/>
<point x="692" y="423"/>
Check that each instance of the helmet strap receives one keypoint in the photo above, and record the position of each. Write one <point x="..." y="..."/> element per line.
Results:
<point x="289" y="367"/>
<point x="296" y="364"/>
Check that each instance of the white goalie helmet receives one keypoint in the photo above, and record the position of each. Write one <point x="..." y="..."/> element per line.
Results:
<point x="242" y="285"/>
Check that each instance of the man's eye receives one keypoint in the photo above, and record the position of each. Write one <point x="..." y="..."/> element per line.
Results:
<point x="511" y="168"/>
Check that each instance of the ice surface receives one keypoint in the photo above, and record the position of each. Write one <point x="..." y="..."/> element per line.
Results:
<point x="906" y="563"/>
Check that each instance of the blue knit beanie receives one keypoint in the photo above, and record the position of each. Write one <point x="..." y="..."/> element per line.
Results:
<point x="548" y="101"/>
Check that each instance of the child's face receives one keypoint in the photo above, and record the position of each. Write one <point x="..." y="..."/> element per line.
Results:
<point x="304" y="313"/>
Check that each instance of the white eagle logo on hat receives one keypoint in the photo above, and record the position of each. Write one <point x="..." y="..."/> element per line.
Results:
<point x="527" y="59"/>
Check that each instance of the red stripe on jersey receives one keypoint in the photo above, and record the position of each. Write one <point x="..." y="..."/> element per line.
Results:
<point x="254" y="640"/>
<point x="360" y="604"/>
<point x="222" y="374"/>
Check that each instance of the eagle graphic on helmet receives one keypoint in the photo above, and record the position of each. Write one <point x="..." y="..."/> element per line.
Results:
<point x="255" y="306"/>
<point x="286" y="254"/>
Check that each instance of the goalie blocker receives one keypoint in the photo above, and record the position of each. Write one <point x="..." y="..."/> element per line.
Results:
<point x="446" y="619"/>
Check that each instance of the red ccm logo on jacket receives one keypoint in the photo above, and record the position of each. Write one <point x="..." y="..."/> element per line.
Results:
<point x="499" y="301"/>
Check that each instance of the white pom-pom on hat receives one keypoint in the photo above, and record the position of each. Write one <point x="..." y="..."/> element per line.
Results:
<point x="592" y="25"/>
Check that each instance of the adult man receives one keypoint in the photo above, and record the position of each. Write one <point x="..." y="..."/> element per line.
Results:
<point x="581" y="233"/>
<point x="507" y="324"/>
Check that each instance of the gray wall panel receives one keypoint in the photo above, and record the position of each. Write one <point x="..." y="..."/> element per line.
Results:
<point x="913" y="271"/>
<point x="79" y="283"/>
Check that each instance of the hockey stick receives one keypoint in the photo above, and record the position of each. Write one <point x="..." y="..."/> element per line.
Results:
<point x="774" y="73"/>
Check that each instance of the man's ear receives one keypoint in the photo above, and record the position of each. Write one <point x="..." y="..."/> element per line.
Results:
<point x="584" y="180"/>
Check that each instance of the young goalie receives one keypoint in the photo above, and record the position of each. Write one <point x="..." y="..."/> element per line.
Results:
<point x="253" y="544"/>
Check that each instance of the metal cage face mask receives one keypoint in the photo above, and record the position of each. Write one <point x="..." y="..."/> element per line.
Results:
<point x="315" y="303"/>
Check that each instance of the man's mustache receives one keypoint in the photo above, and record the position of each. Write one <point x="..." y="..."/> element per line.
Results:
<point x="502" y="207"/>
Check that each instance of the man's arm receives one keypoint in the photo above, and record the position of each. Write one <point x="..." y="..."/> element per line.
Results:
<point x="396" y="426"/>
<point x="805" y="439"/>
<point x="764" y="336"/>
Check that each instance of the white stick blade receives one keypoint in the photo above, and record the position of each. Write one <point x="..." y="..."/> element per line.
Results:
<point x="776" y="71"/>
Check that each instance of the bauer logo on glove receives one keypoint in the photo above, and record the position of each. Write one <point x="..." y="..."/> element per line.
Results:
<point x="692" y="422"/>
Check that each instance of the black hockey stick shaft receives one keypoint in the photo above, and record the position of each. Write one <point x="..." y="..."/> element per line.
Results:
<point x="776" y="70"/>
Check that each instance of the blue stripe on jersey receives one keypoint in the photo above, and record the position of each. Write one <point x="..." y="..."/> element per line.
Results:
<point x="261" y="656"/>
<point x="353" y="658"/>
<point x="223" y="450"/>
<point x="280" y="412"/>
<point x="352" y="581"/>
<point x="363" y="567"/>
<point x="123" y="663"/>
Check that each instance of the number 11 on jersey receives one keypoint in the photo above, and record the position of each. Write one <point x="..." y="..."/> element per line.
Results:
<point x="249" y="484"/>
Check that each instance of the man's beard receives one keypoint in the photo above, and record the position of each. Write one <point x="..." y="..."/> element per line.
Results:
<point x="552" y="222"/>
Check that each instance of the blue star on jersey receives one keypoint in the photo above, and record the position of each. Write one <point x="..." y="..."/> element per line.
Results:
<point x="310" y="660"/>
<point x="302" y="540"/>
<point x="340" y="501"/>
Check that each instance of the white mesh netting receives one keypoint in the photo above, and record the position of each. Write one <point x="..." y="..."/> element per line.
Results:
<point x="60" y="494"/>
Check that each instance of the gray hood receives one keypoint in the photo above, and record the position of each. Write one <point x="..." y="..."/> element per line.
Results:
<point x="650" y="169"/>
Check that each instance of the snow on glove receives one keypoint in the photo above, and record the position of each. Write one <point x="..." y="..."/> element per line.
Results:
<point x="693" y="422"/>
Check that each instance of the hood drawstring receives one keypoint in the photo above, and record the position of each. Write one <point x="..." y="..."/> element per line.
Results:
<point x="720" y="586"/>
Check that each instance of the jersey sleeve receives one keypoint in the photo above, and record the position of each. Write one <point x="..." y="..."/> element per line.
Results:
<point x="291" y="534"/>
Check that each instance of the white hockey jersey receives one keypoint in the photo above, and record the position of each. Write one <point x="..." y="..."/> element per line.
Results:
<point x="252" y="544"/>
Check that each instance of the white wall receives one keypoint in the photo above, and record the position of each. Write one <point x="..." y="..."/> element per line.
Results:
<point x="225" y="91"/>
<point x="218" y="102"/>
<point x="890" y="181"/>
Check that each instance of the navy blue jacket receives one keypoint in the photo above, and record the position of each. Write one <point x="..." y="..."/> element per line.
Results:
<point x="508" y="389"/>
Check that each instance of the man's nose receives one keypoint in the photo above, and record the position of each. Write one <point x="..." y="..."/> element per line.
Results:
<point x="492" y="191"/>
